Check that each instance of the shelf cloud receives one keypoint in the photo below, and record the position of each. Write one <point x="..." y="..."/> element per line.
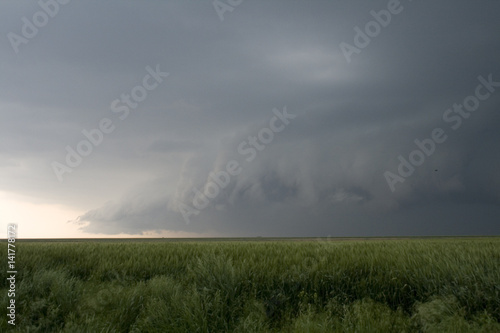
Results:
<point x="262" y="126"/>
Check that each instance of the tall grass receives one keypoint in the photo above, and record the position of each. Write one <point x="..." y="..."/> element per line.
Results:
<point x="435" y="285"/>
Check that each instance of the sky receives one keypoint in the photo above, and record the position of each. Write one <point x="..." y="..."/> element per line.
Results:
<point x="238" y="118"/>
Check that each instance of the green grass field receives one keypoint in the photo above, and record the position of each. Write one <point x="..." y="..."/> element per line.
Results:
<point x="399" y="285"/>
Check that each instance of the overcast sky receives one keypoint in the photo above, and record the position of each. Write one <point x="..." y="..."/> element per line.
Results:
<point x="250" y="118"/>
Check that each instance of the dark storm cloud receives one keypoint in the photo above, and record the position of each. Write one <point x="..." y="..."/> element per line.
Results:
<point x="322" y="174"/>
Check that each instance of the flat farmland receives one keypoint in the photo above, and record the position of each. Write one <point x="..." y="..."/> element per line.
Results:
<point x="256" y="285"/>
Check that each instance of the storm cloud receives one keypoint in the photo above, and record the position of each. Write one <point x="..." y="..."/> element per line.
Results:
<point x="208" y="150"/>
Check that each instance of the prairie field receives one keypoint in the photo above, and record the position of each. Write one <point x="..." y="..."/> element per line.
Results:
<point x="257" y="285"/>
